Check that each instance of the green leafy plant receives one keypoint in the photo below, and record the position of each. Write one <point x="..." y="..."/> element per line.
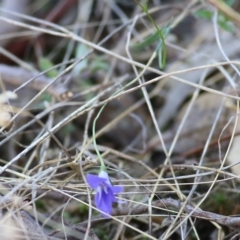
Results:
<point x="223" y="21"/>
<point x="161" y="49"/>
<point x="45" y="64"/>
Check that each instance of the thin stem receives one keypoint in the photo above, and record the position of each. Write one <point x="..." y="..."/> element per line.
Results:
<point x="103" y="167"/>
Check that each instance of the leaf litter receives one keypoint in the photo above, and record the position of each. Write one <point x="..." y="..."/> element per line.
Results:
<point x="172" y="146"/>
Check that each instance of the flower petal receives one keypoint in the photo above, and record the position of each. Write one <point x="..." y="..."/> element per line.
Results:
<point x="104" y="175"/>
<point x="104" y="203"/>
<point x="98" y="195"/>
<point x="105" y="192"/>
<point x="94" y="181"/>
<point x="111" y="195"/>
<point x="117" y="189"/>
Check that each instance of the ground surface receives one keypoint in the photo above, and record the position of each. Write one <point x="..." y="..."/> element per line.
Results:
<point x="152" y="90"/>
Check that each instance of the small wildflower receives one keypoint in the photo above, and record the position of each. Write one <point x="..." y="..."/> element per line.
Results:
<point x="105" y="195"/>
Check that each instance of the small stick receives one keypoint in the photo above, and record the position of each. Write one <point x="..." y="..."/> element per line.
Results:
<point x="17" y="76"/>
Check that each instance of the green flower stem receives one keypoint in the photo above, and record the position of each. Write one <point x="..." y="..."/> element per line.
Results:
<point x="103" y="167"/>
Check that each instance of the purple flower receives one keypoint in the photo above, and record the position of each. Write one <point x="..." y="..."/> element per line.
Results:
<point x="105" y="191"/>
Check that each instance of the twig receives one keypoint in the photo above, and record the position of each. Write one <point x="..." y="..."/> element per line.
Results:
<point x="13" y="6"/>
<point x="17" y="76"/>
<point x="228" y="11"/>
<point x="233" y="222"/>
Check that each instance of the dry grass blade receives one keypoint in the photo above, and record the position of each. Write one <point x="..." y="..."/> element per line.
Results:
<point x="86" y="94"/>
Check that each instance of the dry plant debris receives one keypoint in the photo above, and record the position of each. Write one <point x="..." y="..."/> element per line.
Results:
<point x="119" y="120"/>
